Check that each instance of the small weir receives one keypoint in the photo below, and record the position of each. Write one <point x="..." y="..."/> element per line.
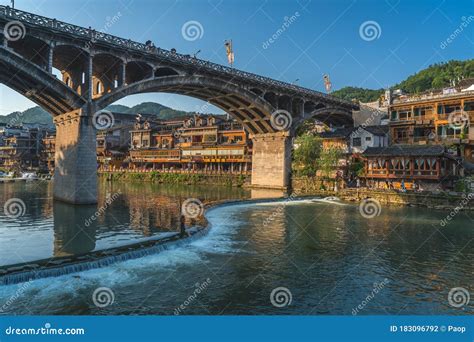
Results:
<point x="19" y="273"/>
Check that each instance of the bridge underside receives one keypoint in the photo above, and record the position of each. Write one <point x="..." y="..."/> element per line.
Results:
<point x="246" y="107"/>
<point x="33" y="82"/>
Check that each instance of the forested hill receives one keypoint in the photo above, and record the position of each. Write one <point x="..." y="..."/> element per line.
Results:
<point x="39" y="115"/>
<point x="436" y="76"/>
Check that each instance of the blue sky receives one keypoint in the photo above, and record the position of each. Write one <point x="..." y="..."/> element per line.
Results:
<point x="323" y="37"/>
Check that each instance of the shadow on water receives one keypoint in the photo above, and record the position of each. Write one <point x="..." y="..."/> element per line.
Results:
<point x="74" y="230"/>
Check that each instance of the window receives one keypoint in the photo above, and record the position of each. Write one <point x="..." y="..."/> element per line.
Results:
<point x="356" y="142"/>
<point x="426" y="111"/>
<point x="368" y="138"/>
<point x="469" y="106"/>
<point x="404" y="114"/>
<point x="451" y="108"/>
<point x="401" y="135"/>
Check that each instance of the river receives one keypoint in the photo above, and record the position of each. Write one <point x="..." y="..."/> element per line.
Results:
<point x="290" y="257"/>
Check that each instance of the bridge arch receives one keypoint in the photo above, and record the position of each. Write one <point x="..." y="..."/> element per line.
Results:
<point x="38" y="85"/>
<point x="137" y="71"/>
<point x="33" y="49"/>
<point x="71" y="61"/>
<point x="327" y="115"/>
<point x="106" y="73"/>
<point x="165" y="71"/>
<point x="248" y="108"/>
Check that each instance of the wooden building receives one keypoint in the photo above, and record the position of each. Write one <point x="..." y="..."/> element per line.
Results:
<point x="198" y="142"/>
<point x="445" y="117"/>
<point x="431" y="167"/>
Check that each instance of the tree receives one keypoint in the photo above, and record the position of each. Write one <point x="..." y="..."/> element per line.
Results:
<point x="329" y="160"/>
<point x="434" y="77"/>
<point x="306" y="154"/>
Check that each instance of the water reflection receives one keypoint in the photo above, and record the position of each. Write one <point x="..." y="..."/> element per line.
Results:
<point x="125" y="213"/>
<point x="74" y="232"/>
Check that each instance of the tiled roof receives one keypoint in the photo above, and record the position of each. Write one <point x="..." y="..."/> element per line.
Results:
<point x="377" y="130"/>
<point x="406" y="151"/>
<point x="338" y="133"/>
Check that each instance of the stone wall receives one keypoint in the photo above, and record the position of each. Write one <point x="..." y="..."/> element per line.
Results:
<point x="435" y="200"/>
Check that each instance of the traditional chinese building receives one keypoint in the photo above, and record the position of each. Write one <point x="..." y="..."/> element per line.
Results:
<point x="430" y="167"/>
<point x="445" y="117"/>
<point x="47" y="153"/>
<point x="21" y="146"/>
<point x="198" y="142"/>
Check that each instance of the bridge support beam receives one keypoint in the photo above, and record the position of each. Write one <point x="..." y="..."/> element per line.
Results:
<point x="271" y="160"/>
<point x="75" y="174"/>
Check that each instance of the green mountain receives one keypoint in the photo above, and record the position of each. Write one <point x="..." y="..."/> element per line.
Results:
<point x="39" y="115"/>
<point x="361" y="94"/>
<point x="436" y="76"/>
<point x="161" y="111"/>
<point x="35" y="114"/>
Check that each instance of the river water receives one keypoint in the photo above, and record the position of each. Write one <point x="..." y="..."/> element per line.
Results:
<point x="291" y="257"/>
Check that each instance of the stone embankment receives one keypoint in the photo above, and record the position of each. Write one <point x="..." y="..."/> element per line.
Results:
<point x="443" y="200"/>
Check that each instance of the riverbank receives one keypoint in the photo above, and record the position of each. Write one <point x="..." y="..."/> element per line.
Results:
<point x="228" y="179"/>
<point x="448" y="200"/>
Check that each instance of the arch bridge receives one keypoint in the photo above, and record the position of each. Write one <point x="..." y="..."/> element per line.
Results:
<point x="99" y="69"/>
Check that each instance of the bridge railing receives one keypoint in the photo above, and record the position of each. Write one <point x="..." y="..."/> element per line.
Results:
<point x="98" y="36"/>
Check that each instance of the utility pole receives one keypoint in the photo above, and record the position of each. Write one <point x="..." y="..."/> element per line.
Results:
<point x="13" y="3"/>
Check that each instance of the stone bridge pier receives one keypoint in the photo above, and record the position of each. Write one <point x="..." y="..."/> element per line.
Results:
<point x="75" y="174"/>
<point x="271" y="160"/>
